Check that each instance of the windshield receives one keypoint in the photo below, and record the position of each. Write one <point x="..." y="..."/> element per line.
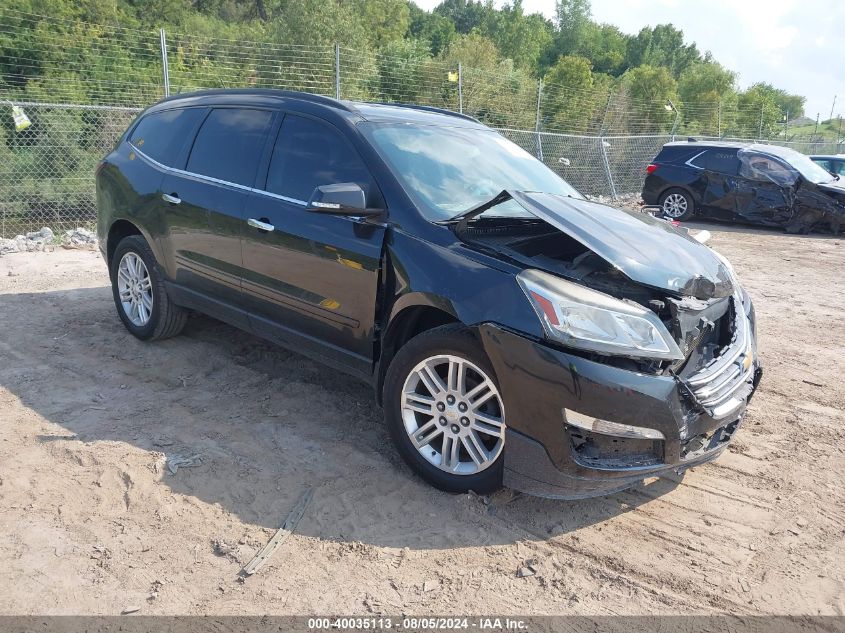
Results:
<point x="449" y="170"/>
<point x="800" y="162"/>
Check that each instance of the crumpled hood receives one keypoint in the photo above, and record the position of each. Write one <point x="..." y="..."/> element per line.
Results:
<point x="647" y="250"/>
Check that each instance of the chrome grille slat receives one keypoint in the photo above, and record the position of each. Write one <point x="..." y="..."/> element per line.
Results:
<point x="717" y="383"/>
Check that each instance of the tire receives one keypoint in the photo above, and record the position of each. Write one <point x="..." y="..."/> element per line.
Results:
<point x="676" y="204"/>
<point x="479" y="440"/>
<point x="164" y="319"/>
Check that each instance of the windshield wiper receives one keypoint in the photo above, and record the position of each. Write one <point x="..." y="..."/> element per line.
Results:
<point x="461" y="219"/>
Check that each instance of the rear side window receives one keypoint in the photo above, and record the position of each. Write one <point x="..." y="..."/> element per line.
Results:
<point x="309" y="154"/>
<point x="722" y="161"/>
<point x="229" y="143"/>
<point x="161" y="135"/>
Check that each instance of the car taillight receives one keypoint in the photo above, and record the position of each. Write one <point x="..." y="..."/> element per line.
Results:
<point x="651" y="169"/>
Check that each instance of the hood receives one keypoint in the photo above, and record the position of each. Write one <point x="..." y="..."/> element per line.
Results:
<point x="645" y="249"/>
<point x="835" y="188"/>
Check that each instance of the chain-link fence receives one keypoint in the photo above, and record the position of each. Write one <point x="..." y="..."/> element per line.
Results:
<point x="81" y="84"/>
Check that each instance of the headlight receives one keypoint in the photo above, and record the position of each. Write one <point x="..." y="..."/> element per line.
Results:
<point x="591" y="320"/>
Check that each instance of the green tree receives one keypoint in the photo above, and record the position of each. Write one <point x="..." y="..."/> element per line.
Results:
<point x="522" y="38"/>
<point x="648" y="91"/>
<point x="708" y="93"/>
<point x="432" y="28"/>
<point x="662" y="46"/>
<point x="571" y="98"/>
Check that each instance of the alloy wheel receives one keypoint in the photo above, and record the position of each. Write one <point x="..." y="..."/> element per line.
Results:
<point x="453" y="414"/>
<point x="675" y="205"/>
<point x="135" y="289"/>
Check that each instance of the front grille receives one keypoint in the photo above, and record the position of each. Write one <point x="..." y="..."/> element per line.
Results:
<point x="722" y="385"/>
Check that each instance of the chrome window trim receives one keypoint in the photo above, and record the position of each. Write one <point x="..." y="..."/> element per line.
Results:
<point x="689" y="162"/>
<point x="190" y="174"/>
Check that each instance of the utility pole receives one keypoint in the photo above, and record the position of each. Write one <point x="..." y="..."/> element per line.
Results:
<point x="817" y="125"/>
<point x="786" y="126"/>
<point x="832" y="107"/>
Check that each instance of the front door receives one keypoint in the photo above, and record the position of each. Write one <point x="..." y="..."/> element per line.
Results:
<point x="208" y="197"/>
<point x="310" y="279"/>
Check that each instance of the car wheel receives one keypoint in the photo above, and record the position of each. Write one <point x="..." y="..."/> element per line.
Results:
<point x="445" y="412"/>
<point x="676" y="204"/>
<point x="139" y="293"/>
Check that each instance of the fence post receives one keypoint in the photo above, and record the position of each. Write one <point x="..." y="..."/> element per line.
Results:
<point x="760" y="133"/>
<point x="165" y="70"/>
<point x="606" y="111"/>
<point x="336" y="70"/>
<point x="460" y="88"/>
<point x="720" y="117"/>
<point x="604" y="145"/>
<point x="539" y="140"/>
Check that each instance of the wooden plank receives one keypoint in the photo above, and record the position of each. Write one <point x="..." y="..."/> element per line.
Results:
<point x="280" y="536"/>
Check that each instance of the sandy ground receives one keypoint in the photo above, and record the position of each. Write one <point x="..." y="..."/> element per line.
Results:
<point x="93" y="523"/>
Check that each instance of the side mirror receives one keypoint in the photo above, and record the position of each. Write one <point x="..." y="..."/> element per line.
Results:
<point x="345" y="198"/>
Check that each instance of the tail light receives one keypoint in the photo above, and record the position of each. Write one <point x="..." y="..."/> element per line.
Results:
<point x="651" y="169"/>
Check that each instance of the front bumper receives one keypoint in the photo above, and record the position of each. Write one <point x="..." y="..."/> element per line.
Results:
<point x="545" y="456"/>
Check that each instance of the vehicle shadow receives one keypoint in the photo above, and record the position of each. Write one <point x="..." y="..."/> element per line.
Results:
<point x="261" y="424"/>
<point x="712" y="225"/>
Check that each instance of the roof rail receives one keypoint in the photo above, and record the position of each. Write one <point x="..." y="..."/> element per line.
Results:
<point x="267" y="92"/>
<point x="426" y="108"/>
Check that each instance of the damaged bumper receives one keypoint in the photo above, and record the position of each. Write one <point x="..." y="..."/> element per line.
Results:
<point x="685" y="421"/>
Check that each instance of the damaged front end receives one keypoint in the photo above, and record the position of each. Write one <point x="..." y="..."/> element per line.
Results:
<point x="649" y="357"/>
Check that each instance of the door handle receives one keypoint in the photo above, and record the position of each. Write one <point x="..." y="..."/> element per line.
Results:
<point x="171" y="198"/>
<point x="260" y="225"/>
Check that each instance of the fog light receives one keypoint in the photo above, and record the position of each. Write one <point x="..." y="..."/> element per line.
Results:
<point x="606" y="427"/>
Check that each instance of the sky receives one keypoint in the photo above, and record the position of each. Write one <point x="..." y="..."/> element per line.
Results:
<point x="796" y="45"/>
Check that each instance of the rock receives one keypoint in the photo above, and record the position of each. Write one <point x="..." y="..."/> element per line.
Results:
<point x="802" y="522"/>
<point x="429" y="585"/>
<point x="130" y="609"/>
<point x="745" y="586"/>
<point x="8" y="246"/>
<point x="79" y="238"/>
<point x="525" y="571"/>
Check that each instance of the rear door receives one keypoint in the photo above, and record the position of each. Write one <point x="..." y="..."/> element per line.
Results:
<point x="311" y="279"/>
<point x="721" y="169"/>
<point x="206" y="199"/>
<point x="763" y="189"/>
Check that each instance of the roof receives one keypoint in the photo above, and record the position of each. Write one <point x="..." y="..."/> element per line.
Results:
<point x="694" y="143"/>
<point x="397" y="112"/>
<point x="828" y="156"/>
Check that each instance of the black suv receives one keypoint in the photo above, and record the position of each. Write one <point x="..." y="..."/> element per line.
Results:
<point x="759" y="184"/>
<point x="512" y="330"/>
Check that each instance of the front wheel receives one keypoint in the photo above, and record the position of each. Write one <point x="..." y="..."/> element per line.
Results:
<point x="139" y="292"/>
<point x="677" y="204"/>
<point x="444" y="411"/>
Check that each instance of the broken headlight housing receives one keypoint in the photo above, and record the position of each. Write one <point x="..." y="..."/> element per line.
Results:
<point x="590" y="320"/>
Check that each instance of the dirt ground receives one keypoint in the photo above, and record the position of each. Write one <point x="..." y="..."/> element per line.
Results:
<point x="94" y="523"/>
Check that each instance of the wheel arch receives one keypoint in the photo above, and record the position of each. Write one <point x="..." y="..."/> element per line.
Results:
<point x="412" y="314"/>
<point x="122" y="228"/>
<point x="686" y="189"/>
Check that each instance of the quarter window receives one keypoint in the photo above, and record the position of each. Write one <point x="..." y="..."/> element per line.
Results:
<point x="723" y="162"/>
<point x="229" y="143"/>
<point x="309" y="154"/>
<point x="161" y="135"/>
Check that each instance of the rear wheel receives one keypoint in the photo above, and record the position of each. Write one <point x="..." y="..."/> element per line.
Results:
<point x="676" y="204"/>
<point x="139" y="292"/>
<point x="445" y="412"/>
